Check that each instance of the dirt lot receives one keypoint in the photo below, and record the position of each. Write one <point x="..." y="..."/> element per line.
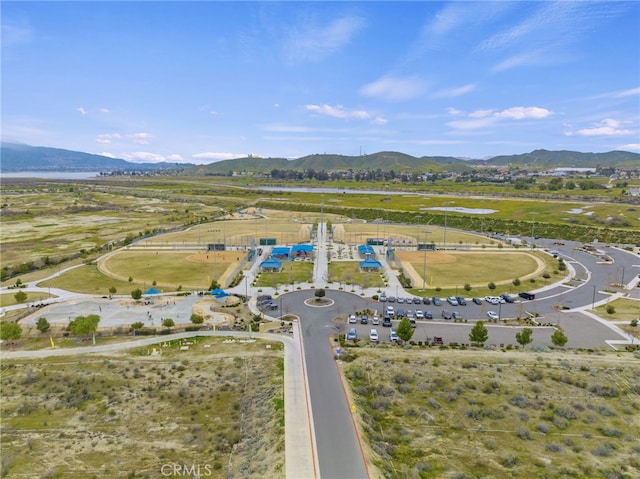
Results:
<point x="218" y="404"/>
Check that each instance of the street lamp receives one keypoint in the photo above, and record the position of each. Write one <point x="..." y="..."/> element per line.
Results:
<point x="533" y="227"/>
<point x="446" y="210"/>
<point x="424" y="265"/>
<point x="593" y="300"/>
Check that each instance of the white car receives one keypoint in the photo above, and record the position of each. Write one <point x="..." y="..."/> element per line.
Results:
<point x="452" y="300"/>
<point x="393" y="336"/>
<point x="375" y="321"/>
<point x="373" y="336"/>
<point x="419" y="314"/>
<point x="493" y="315"/>
<point x="492" y="299"/>
<point x="353" y="319"/>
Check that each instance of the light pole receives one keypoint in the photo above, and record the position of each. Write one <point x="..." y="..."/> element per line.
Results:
<point x="593" y="300"/>
<point x="533" y="227"/>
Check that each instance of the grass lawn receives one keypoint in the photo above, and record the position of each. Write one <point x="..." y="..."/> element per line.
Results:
<point x="87" y="279"/>
<point x="130" y="413"/>
<point x="427" y="412"/>
<point x="348" y="272"/>
<point x="168" y="269"/>
<point x="292" y="272"/>
<point x="8" y="299"/>
<point x="625" y="310"/>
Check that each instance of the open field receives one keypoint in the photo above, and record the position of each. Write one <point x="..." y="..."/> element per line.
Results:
<point x="625" y="310"/>
<point x="349" y="273"/>
<point x="171" y="269"/>
<point x="447" y="268"/>
<point x="218" y="405"/>
<point x="358" y="233"/>
<point x="292" y="272"/>
<point x="474" y="413"/>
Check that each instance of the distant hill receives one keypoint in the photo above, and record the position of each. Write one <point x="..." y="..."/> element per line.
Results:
<point x="19" y="157"/>
<point x="544" y="159"/>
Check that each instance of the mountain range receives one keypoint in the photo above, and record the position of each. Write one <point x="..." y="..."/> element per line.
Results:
<point x="20" y="157"/>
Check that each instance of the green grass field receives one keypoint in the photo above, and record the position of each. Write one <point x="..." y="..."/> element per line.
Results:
<point x="349" y="273"/>
<point x="292" y="272"/>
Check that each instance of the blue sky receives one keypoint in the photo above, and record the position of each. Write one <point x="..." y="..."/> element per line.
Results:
<point x="204" y="81"/>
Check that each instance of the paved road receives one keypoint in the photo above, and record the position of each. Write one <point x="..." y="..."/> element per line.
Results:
<point x="338" y="446"/>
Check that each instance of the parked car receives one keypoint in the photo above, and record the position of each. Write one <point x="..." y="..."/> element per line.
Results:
<point x="400" y="299"/>
<point x="364" y="319"/>
<point x="507" y="297"/>
<point x="456" y="315"/>
<point x="428" y="315"/>
<point x="461" y="301"/>
<point x="437" y="340"/>
<point x="477" y="300"/>
<point x="493" y="315"/>
<point x="492" y="299"/>
<point x="391" y="299"/>
<point x="410" y="314"/>
<point x="446" y="314"/>
<point x="452" y="300"/>
<point x="419" y="314"/>
<point x="436" y="301"/>
<point x="373" y="336"/>
<point x="525" y="295"/>
<point x="375" y="321"/>
<point x="393" y="336"/>
<point x="386" y="321"/>
<point x="417" y="301"/>
<point x="400" y="313"/>
<point x="426" y="300"/>
<point x="383" y="298"/>
<point x="390" y="311"/>
<point x="352" y="335"/>
<point x="413" y="323"/>
<point x="353" y="319"/>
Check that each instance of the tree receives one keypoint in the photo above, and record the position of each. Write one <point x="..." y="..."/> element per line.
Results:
<point x="138" y="325"/>
<point x="479" y="333"/>
<point x="136" y="294"/>
<point x="320" y="293"/>
<point x="84" y="325"/>
<point x="405" y="330"/>
<point x="491" y="285"/>
<point x="214" y="285"/>
<point x="197" y="319"/>
<point x="558" y="338"/>
<point x="168" y="323"/>
<point x="130" y="279"/>
<point x="516" y="282"/>
<point x="524" y="336"/>
<point x="10" y="331"/>
<point x="467" y="287"/>
<point x="20" y="297"/>
<point x="113" y="290"/>
<point x="43" y="325"/>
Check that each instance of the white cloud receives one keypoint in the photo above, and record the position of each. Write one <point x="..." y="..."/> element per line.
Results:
<point x="309" y="42"/>
<point x="521" y="112"/>
<point x="394" y="89"/>
<point x="143" y="157"/>
<point x="175" y="158"/>
<point x="81" y="110"/>
<point x="107" y="154"/>
<point x="454" y="92"/>
<point x="15" y="34"/>
<point x="140" y="138"/>
<point x="339" y="111"/>
<point x="606" y="127"/>
<point x="629" y="147"/>
<point x="104" y="110"/>
<point x="483" y="118"/>
<point x="107" y="138"/>
<point x="137" y="138"/>
<point x="217" y="156"/>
